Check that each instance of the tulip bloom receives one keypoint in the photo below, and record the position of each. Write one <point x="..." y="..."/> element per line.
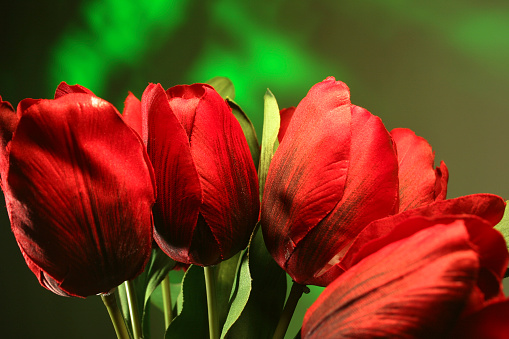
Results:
<point x="336" y="170"/>
<point x="418" y="282"/>
<point x="207" y="189"/>
<point x="79" y="191"/>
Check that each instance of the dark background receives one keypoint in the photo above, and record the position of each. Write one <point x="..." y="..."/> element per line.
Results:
<point x="439" y="68"/>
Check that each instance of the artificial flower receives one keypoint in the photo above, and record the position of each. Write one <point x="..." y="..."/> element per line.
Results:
<point x="336" y="170"/>
<point x="79" y="191"/>
<point x="419" y="282"/>
<point x="207" y="189"/>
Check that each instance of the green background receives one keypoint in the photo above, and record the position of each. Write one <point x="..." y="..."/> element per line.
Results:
<point x="439" y="68"/>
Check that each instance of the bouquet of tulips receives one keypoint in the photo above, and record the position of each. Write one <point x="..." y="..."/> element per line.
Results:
<point x="119" y="205"/>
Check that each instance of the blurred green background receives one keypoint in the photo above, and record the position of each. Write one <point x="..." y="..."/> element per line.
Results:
<point x="439" y="68"/>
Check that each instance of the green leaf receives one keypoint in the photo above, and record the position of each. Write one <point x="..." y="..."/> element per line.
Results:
<point x="259" y="317"/>
<point x="144" y="285"/>
<point x="239" y="296"/>
<point x="225" y="278"/>
<point x="156" y="298"/>
<point x="271" y="123"/>
<point x="223" y="86"/>
<point x="192" y="322"/>
<point x="249" y="131"/>
<point x="503" y="226"/>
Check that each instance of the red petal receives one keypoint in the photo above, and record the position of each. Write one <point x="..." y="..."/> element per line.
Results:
<point x="286" y="115"/>
<point x="307" y="175"/>
<point x="369" y="194"/>
<point x="178" y="186"/>
<point x="417" y="178"/>
<point x="222" y="158"/>
<point x="132" y="113"/>
<point x="8" y="123"/>
<point x="64" y="89"/>
<point x="412" y="288"/>
<point x="82" y="194"/>
<point x="489" y="323"/>
<point x="442" y="177"/>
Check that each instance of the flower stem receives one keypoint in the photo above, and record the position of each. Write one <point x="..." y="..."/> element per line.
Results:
<point x="291" y="304"/>
<point x="110" y="302"/>
<point x="210" y="285"/>
<point x="168" y="313"/>
<point x="133" y="309"/>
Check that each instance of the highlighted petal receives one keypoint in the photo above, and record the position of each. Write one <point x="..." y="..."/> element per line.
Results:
<point x="80" y="195"/>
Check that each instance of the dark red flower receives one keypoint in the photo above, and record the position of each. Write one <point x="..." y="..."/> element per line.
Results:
<point x="79" y="191"/>
<point x="424" y="280"/>
<point x="336" y="170"/>
<point x="207" y="186"/>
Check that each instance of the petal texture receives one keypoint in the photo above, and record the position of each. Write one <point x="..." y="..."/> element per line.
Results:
<point x="385" y="295"/>
<point x="80" y="195"/>
<point x="177" y="181"/>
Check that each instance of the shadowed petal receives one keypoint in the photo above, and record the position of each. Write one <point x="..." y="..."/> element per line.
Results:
<point x="223" y="161"/>
<point x="178" y="186"/>
<point x="416" y="287"/>
<point x="8" y="123"/>
<point x="489" y="323"/>
<point x="80" y="195"/>
<point x="64" y="89"/>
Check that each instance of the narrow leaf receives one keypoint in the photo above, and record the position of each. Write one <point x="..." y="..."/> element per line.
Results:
<point x="192" y="322"/>
<point x="249" y="131"/>
<point x="271" y="123"/>
<point x="223" y="86"/>
<point x="261" y="314"/>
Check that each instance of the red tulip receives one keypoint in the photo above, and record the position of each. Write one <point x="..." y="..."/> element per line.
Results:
<point x="418" y="284"/>
<point x="207" y="187"/>
<point x="79" y="191"/>
<point x="336" y="170"/>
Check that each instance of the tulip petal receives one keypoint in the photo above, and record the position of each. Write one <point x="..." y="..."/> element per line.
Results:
<point x="308" y="172"/>
<point x="371" y="192"/>
<point x="418" y="180"/>
<point x="487" y="207"/>
<point x="223" y="161"/>
<point x="8" y="123"/>
<point x="286" y="115"/>
<point x="80" y="195"/>
<point x="178" y="185"/>
<point x="132" y="113"/>
<point x="64" y="89"/>
<point x="488" y="323"/>
<point x="416" y="287"/>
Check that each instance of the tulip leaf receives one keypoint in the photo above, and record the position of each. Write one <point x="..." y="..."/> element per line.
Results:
<point x="240" y="295"/>
<point x="225" y="277"/>
<point x="223" y="86"/>
<point x="249" y="131"/>
<point x="259" y="317"/>
<point x="271" y="123"/>
<point x="503" y="226"/>
<point x="144" y="285"/>
<point x="192" y="322"/>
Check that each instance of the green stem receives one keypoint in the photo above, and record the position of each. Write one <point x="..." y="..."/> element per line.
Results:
<point x="168" y="313"/>
<point x="117" y="319"/>
<point x="291" y="304"/>
<point x="210" y="285"/>
<point x="133" y="309"/>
